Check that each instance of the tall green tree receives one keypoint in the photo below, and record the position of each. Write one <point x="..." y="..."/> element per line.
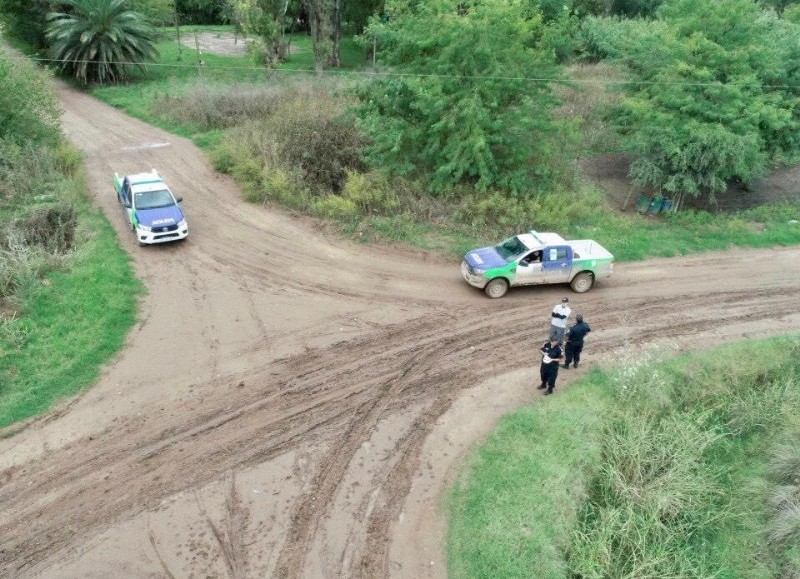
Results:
<point x="100" y="40"/>
<point x="266" y="20"/>
<point x="454" y="102"/>
<point x="706" y="105"/>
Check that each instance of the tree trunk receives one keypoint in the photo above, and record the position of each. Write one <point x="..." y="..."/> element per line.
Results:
<point x="178" y="32"/>
<point x="334" y="60"/>
<point x="319" y="23"/>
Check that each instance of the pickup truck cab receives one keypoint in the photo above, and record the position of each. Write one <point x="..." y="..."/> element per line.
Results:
<point x="536" y="258"/>
<point x="153" y="211"/>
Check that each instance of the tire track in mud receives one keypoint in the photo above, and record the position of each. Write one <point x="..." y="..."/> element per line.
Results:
<point x="337" y="394"/>
<point x="330" y="399"/>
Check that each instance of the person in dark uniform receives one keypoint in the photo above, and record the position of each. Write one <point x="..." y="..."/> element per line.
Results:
<point x="575" y="338"/>
<point x="551" y="358"/>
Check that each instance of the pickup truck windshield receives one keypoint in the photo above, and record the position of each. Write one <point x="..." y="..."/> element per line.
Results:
<point x="153" y="199"/>
<point x="511" y="248"/>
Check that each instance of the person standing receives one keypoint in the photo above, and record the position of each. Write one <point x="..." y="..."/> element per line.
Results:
<point x="548" y="371"/>
<point x="574" y="345"/>
<point x="559" y="319"/>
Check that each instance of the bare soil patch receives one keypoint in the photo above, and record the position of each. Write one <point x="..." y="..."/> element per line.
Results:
<point x="610" y="173"/>
<point x="223" y="43"/>
<point x="293" y="405"/>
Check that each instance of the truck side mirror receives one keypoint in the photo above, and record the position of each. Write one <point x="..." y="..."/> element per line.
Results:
<point x="179" y="199"/>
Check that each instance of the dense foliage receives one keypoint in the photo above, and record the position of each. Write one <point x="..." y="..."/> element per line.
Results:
<point x="25" y="19"/>
<point x="713" y="94"/>
<point x="29" y="112"/>
<point x="37" y="226"/>
<point x="457" y="104"/>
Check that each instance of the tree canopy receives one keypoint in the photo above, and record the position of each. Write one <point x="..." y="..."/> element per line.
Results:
<point x="712" y="97"/>
<point x="455" y="99"/>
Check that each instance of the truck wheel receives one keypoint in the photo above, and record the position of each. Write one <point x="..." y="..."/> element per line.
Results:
<point x="582" y="282"/>
<point x="496" y="288"/>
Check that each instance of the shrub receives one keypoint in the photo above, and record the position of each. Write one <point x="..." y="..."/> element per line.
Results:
<point x="335" y="207"/>
<point x="27" y="172"/>
<point x="792" y="13"/>
<point x="67" y="159"/>
<point x="29" y="111"/>
<point x="13" y="332"/>
<point x="248" y="173"/>
<point x="323" y="150"/>
<point x="22" y="265"/>
<point x="279" y="185"/>
<point x="369" y="192"/>
<point x="551" y="211"/>
<point x="493" y="208"/>
<point x="51" y="228"/>
<point x="783" y="528"/>
<point x="223" y="156"/>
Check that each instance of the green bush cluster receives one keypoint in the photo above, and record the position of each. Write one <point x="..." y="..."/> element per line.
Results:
<point x="22" y="266"/>
<point x="363" y="195"/>
<point x="305" y="139"/>
<point x="560" y="211"/>
<point x="38" y="222"/>
<point x="322" y="150"/>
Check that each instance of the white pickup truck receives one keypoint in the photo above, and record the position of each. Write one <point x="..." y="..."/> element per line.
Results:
<point x="536" y="258"/>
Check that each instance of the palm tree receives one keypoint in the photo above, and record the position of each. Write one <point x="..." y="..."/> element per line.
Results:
<point x="99" y="40"/>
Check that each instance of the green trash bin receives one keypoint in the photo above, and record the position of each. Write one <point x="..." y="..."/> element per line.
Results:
<point x="642" y="204"/>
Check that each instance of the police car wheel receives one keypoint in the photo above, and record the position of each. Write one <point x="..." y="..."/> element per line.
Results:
<point x="582" y="282"/>
<point x="496" y="288"/>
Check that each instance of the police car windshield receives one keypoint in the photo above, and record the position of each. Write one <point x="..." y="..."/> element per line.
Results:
<point x="153" y="199"/>
<point x="511" y="248"/>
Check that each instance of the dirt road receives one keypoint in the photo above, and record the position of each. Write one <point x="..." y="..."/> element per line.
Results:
<point x="292" y="405"/>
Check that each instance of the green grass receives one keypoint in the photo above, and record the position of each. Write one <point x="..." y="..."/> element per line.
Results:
<point x="513" y="510"/>
<point x="178" y="69"/>
<point x="661" y="469"/>
<point x="71" y="325"/>
<point x="634" y="237"/>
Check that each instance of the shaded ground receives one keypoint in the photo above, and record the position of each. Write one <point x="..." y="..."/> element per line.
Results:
<point x="610" y="172"/>
<point x="292" y="405"/>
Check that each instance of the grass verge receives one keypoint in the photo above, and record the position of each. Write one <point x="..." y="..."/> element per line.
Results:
<point x="672" y="468"/>
<point x="73" y="322"/>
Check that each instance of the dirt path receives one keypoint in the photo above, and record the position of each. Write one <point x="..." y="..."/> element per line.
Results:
<point x="293" y="406"/>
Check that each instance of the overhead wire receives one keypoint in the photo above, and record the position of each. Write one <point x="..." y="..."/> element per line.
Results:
<point x="388" y="73"/>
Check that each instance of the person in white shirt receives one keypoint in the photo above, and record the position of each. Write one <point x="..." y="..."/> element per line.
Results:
<point x="559" y="319"/>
